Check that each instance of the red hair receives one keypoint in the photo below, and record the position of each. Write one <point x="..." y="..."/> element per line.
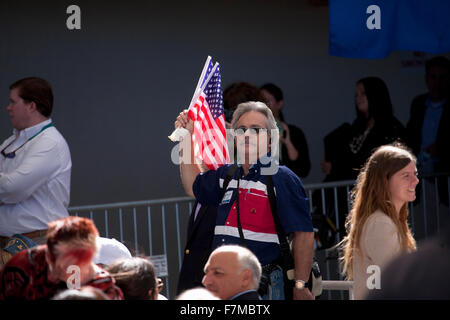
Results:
<point x="78" y="233"/>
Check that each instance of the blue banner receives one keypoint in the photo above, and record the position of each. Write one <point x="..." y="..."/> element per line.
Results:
<point x="375" y="28"/>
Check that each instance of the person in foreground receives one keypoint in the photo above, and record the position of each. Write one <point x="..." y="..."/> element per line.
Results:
<point x="66" y="261"/>
<point x="233" y="273"/>
<point x="377" y="224"/>
<point x="244" y="213"/>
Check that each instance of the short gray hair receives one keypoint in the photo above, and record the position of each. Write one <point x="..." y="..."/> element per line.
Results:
<point x="246" y="260"/>
<point x="257" y="106"/>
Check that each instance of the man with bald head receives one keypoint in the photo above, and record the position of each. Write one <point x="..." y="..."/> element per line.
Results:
<point x="233" y="272"/>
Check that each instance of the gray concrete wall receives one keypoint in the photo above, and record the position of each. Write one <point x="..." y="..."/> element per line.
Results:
<point x="121" y="80"/>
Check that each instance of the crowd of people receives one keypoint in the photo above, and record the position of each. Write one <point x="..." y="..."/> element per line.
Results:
<point x="250" y="233"/>
<point x="74" y="265"/>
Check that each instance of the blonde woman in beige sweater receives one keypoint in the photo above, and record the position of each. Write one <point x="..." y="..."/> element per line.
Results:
<point x="377" y="224"/>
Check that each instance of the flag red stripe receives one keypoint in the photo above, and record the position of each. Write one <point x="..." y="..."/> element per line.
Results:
<point x="209" y="135"/>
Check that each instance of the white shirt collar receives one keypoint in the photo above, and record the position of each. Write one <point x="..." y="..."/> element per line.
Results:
<point x="27" y="133"/>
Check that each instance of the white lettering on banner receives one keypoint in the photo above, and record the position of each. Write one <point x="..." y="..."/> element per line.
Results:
<point x="74" y="20"/>
<point x="374" y="20"/>
<point x="374" y="280"/>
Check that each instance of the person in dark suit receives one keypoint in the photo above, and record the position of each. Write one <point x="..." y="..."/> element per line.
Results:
<point x="233" y="273"/>
<point x="428" y="127"/>
<point x="198" y="246"/>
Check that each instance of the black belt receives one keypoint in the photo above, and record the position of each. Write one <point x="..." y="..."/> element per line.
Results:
<point x="269" y="268"/>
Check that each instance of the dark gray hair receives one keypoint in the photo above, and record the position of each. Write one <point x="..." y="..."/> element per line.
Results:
<point x="257" y="106"/>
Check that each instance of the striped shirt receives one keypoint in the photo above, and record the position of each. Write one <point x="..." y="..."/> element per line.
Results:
<point x="255" y="214"/>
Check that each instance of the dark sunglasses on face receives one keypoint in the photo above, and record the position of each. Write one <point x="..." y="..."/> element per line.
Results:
<point x="9" y="155"/>
<point x="256" y="130"/>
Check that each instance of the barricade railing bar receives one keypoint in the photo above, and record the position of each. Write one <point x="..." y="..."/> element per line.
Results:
<point x="339" y="285"/>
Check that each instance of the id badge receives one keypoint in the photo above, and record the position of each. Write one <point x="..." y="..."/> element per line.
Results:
<point x="227" y="197"/>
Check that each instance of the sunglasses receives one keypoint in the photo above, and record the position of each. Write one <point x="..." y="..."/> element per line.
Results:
<point x="10" y="155"/>
<point x="242" y="130"/>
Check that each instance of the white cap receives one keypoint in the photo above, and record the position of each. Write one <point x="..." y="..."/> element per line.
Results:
<point x="109" y="250"/>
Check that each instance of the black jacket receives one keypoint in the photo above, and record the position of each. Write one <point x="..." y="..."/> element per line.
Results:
<point x="198" y="247"/>
<point x="345" y="164"/>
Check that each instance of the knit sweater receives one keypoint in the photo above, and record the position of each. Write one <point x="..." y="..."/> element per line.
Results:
<point x="379" y="243"/>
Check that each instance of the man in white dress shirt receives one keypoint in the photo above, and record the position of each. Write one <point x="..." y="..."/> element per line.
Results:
<point x="35" y="166"/>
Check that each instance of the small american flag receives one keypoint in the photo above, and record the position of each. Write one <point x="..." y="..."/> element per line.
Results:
<point x="209" y="134"/>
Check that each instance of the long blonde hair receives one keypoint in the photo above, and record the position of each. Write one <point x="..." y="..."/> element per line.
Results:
<point x="371" y="193"/>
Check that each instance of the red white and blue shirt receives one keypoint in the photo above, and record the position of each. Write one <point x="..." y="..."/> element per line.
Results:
<point x="255" y="214"/>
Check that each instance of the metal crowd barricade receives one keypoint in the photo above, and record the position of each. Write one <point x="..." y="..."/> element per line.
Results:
<point x="331" y="203"/>
<point x="339" y="285"/>
<point x="144" y="228"/>
<point x="157" y="228"/>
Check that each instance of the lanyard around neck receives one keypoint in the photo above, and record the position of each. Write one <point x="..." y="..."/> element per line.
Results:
<point x="13" y="153"/>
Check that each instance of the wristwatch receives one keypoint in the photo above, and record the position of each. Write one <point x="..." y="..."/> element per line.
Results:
<point x="300" y="284"/>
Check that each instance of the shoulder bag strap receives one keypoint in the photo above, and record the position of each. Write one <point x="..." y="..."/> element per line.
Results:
<point x="228" y="177"/>
<point x="227" y="180"/>
<point x="285" y="250"/>
<point x="238" y="216"/>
